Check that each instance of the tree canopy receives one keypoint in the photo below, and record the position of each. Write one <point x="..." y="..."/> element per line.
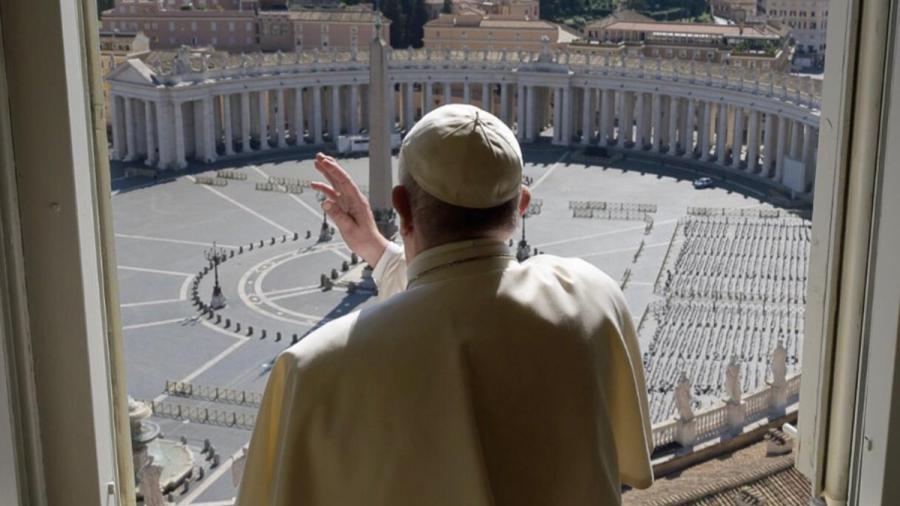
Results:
<point x="408" y="18"/>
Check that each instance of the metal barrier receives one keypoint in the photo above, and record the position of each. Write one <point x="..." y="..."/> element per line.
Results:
<point x="199" y="414"/>
<point x="232" y="174"/>
<point x="213" y="394"/>
<point x="210" y="181"/>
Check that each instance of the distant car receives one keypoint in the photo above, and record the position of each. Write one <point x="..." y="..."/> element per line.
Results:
<point x="703" y="182"/>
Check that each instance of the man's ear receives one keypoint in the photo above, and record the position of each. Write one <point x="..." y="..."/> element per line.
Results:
<point x="524" y="200"/>
<point x="403" y="207"/>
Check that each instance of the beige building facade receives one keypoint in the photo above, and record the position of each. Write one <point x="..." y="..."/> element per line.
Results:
<point x="807" y="21"/>
<point x="475" y="32"/>
<point x="753" y="46"/>
<point x="324" y="29"/>
<point x="240" y="26"/>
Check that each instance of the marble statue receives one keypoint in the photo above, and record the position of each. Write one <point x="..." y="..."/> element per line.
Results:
<point x="733" y="381"/>
<point x="683" y="398"/>
<point x="779" y="365"/>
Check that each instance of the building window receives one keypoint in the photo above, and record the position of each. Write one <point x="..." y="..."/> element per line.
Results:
<point x="193" y="26"/>
<point x="171" y="26"/>
<point x="213" y="27"/>
<point x="231" y="26"/>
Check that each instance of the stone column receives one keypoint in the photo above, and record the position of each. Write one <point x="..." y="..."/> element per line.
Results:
<point x="705" y="125"/>
<point x="448" y="93"/>
<point x="639" y="140"/>
<point x="722" y="132"/>
<point x="673" y="125"/>
<point x="486" y="97"/>
<point x="279" y="118"/>
<point x="768" y="144"/>
<point x="467" y="93"/>
<point x="226" y="124"/>
<point x="408" y="107"/>
<point x="317" y="114"/>
<point x="622" y="137"/>
<point x="628" y="114"/>
<point x="504" y="103"/>
<point x="737" y="137"/>
<point x="429" y="97"/>
<point x="780" y="148"/>
<point x="530" y="113"/>
<point x="606" y="117"/>
<point x="806" y="155"/>
<point x="263" y="119"/>
<point x="587" y="117"/>
<point x="245" y="122"/>
<point x="180" y="161"/>
<point x="689" y="122"/>
<point x="656" y="123"/>
<point x="795" y="140"/>
<point x="335" y="120"/>
<point x="520" y="112"/>
<point x="164" y="135"/>
<point x="150" y="129"/>
<point x="299" y="121"/>
<point x="557" y="116"/>
<point x="130" y="137"/>
<point x="354" y="109"/>
<point x="567" y="116"/>
<point x="209" y="130"/>
<point x="118" y="149"/>
<point x="752" y="140"/>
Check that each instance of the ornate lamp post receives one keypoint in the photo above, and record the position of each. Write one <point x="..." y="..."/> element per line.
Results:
<point x="325" y="233"/>
<point x="524" y="250"/>
<point x="216" y="255"/>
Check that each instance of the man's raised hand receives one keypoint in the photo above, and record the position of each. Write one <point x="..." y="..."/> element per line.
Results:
<point x="349" y="209"/>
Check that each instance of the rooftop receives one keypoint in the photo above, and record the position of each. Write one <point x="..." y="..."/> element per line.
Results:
<point x="746" y="31"/>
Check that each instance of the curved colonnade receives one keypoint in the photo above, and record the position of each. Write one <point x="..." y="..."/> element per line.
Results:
<point x="180" y="106"/>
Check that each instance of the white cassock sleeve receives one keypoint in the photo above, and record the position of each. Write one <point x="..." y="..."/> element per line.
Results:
<point x="390" y="271"/>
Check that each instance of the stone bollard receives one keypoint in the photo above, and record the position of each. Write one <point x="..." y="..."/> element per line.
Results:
<point x="308" y="234"/>
<point x="278" y="336"/>
<point x="251" y="247"/>
<point x="249" y="330"/>
<point x="334" y="274"/>
<point x="345" y="266"/>
<point x="262" y="334"/>
<point x="215" y="461"/>
<point x="329" y="284"/>
<point x="262" y="243"/>
<point x="237" y="326"/>
<point x="240" y="250"/>
<point x="231" y="254"/>
<point x="351" y="287"/>
<point x="227" y="322"/>
<point x="323" y="280"/>
<point x="206" y="446"/>
<point x="354" y="259"/>
<point x="272" y="241"/>
<point x="296" y="236"/>
<point x="295" y="339"/>
<point x="183" y="440"/>
<point x="201" y="473"/>
<point x="284" y="239"/>
<point x="218" y="319"/>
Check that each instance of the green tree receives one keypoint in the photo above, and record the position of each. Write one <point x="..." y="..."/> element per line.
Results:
<point x="103" y="5"/>
<point x="417" y="16"/>
<point x="448" y="7"/>
<point x="393" y="10"/>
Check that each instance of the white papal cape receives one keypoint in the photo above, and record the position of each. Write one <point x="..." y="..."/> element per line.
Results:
<point x="484" y="382"/>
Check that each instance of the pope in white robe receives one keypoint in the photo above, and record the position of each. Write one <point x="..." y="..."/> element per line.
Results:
<point x="475" y="380"/>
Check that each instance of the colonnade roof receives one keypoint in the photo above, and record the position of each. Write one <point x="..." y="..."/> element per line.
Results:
<point x="171" y="68"/>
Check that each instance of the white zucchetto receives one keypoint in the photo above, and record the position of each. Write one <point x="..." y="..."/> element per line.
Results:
<point x="463" y="155"/>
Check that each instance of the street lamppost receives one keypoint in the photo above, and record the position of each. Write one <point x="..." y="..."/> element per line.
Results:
<point x="215" y="256"/>
<point x="325" y="233"/>
<point x="524" y="250"/>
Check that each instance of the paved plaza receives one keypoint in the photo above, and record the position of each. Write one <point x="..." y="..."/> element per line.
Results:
<point x="163" y="228"/>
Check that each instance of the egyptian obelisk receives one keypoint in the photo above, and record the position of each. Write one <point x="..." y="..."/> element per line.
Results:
<point x="380" y="126"/>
